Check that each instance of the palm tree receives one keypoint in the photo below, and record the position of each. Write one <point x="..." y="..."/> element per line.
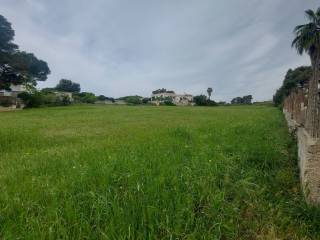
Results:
<point x="307" y="40"/>
<point x="209" y="91"/>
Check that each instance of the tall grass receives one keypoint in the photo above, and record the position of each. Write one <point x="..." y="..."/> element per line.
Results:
<point x="121" y="172"/>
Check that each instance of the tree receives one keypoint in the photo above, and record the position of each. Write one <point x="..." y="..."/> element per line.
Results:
<point x="307" y="40"/>
<point x="200" y="100"/>
<point x="247" y="99"/>
<point x="209" y="91"/>
<point x="162" y="90"/>
<point x="299" y="76"/>
<point x="21" y="68"/>
<point x="146" y="100"/>
<point x="8" y="76"/>
<point x="242" y="100"/>
<point x="101" y="98"/>
<point x="18" y="67"/>
<point x="237" y="100"/>
<point x="6" y="36"/>
<point x="66" y="85"/>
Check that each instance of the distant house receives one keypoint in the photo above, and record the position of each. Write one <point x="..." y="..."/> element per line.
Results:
<point x="161" y="95"/>
<point x="15" y="90"/>
<point x="120" y="102"/>
<point x="64" y="94"/>
<point x="10" y="98"/>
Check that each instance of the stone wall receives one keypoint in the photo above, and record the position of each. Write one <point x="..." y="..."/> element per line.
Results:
<point x="309" y="155"/>
<point x="295" y="110"/>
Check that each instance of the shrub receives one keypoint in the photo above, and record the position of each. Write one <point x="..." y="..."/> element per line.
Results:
<point x="32" y="100"/>
<point x="6" y="101"/>
<point x="168" y="103"/>
<point x="202" y="100"/>
<point x="132" y="99"/>
<point x="145" y="100"/>
<point x="85" y="97"/>
<point x="37" y="99"/>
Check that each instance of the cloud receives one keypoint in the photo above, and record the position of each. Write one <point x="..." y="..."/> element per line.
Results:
<point x="123" y="47"/>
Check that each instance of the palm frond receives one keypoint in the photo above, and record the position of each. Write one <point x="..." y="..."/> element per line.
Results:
<point x="297" y="44"/>
<point x="311" y="15"/>
<point x="318" y="12"/>
<point x="299" y="27"/>
<point x="318" y="17"/>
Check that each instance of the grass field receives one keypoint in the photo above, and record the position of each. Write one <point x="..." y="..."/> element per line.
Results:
<point x="121" y="172"/>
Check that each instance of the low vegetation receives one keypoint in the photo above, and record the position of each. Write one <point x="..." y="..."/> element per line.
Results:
<point x="135" y="100"/>
<point x="120" y="172"/>
<point x="43" y="98"/>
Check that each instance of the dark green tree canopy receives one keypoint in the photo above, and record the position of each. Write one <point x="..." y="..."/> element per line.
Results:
<point x="101" y="98"/>
<point x="104" y="98"/>
<point x="162" y="90"/>
<point x="297" y="77"/>
<point x="18" y="67"/>
<point x="203" y="100"/>
<point x="6" y="36"/>
<point x="200" y="100"/>
<point x="247" y="99"/>
<point x="237" y="100"/>
<point x="242" y="100"/>
<point x="66" y="85"/>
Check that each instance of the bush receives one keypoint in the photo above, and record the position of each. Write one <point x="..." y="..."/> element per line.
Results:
<point x="299" y="76"/>
<point x="132" y="99"/>
<point x="49" y="99"/>
<point x="202" y="100"/>
<point x="211" y="103"/>
<point x="242" y="100"/>
<point x="38" y="99"/>
<point x="32" y="100"/>
<point x="145" y="100"/>
<point x="168" y="103"/>
<point x="6" y="101"/>
<point x="85" y="97"/>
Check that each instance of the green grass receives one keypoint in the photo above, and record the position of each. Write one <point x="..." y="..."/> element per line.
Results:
<point x="121" y="172"/>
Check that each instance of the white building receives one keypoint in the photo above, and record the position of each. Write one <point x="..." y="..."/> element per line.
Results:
<point x="9" y="98"/>
<point x="15" y="90"/>
<point x="161" y="95"/>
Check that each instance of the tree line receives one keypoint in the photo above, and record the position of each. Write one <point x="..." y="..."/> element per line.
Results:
<point x="19" y="67"/>
<point x="294" y="78"/>
<point x="307" y="40"/>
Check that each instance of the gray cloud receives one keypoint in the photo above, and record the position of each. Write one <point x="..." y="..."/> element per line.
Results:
<point x="125" y="47"/>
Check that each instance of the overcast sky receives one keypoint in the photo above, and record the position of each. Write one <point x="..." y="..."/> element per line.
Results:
<point x="126" y="47"/>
